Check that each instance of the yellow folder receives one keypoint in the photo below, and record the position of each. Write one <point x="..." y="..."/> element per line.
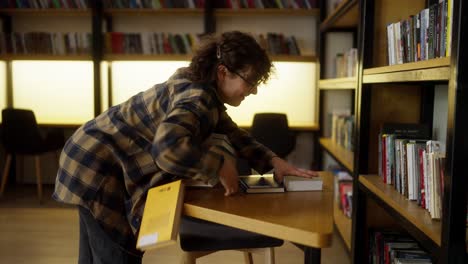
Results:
<point x="161" y="216"/>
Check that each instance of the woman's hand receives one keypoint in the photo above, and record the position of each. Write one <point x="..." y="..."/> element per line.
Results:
<point x="229" y="176"/>
<point x="283" y="168"/>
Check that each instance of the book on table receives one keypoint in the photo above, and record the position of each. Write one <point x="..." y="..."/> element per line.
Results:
<point x="260" y="184"/>
<point x="161" y="216"/>
<point x="296" y="183"/>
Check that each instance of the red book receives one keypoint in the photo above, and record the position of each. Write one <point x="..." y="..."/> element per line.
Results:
<point x="421" y="177"/>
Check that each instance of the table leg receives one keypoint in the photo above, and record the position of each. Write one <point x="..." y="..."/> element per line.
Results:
<point x="312" y="255"/>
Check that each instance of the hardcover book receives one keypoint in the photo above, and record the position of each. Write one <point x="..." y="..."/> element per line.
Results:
<point x="260" y="184"/>
<point x="295" y="183"/>
<point x="161" y="216"/>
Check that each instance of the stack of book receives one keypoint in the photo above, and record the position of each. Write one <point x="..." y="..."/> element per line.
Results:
<point x="267" y="184"/>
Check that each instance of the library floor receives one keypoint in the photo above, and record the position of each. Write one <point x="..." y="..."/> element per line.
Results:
<point x="48" y="234"/>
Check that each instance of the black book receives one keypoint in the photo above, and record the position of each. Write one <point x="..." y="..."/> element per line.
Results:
<point x="408" y="131"/>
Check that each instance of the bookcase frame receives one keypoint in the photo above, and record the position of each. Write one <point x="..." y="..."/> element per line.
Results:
<point x="345" y="18"/>
<point x="445" y="240"/>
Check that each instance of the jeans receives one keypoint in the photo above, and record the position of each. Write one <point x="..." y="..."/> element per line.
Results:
<point x="97" y="247"/>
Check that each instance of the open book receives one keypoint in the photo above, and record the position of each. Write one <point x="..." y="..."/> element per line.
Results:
<point x="260" y="184"/>
<point x="161" y="217"/>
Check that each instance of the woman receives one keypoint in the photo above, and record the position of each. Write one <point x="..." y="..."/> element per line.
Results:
<point x="157" y="136"/>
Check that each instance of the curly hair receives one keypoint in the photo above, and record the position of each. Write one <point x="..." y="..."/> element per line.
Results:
<point x="238" y="51"/>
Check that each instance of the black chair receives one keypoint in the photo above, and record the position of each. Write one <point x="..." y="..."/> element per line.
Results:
<point x="21" y="136"/>
<point x="272" y="130"/>
<point x="199" y="238"/>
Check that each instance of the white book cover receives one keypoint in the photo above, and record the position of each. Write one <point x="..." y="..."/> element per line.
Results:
<point x="390" y="44"/>
<point x="426" y="179"/>
<point x="295" y="183"/>
<point x="410" y="161"/>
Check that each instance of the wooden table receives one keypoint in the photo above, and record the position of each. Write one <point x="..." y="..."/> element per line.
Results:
<point x="304" y="218"/>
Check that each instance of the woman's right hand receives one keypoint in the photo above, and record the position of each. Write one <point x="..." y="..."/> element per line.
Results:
<point x="228" y="176"/>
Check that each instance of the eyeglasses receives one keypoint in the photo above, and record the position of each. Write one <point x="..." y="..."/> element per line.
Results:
<point x="251" y="84"/>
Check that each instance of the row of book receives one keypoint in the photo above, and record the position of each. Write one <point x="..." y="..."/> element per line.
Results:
<point x="281" y="4"/>
<point x="154" y="4"/>
<point x="395" y="247"/>
<point x="43" y="4"/>
<point x="414" y="165"/>
<point x="147" y="43"/>
<point x="342" y="129"/>
<point x="232" y="4"/>
<point x="54" y="43"/>
<point x="169" y="43"/>
<point x="345" y="64"/>
<point x="424" y="36"/>
<point x="278" y="44"/>
<point x="344" y="192"/>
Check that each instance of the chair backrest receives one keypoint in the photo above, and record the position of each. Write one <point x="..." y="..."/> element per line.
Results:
<point x="20" y="131"/>
<point x="272" y="130"/>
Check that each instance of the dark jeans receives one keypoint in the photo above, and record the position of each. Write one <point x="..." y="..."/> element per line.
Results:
<point x="97" y="247"/>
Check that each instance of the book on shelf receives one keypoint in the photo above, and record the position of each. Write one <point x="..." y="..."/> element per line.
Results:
<point x="260" y="184"/>
<point x="395" y="247"/>
<point x="413" y="164"/>
<point x="295" y="183"/>
<point x="422" y="36"/>
<point x="161" y="216"/>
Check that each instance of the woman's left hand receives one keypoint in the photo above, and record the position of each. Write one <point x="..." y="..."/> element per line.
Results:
<point x="283" y="168"/>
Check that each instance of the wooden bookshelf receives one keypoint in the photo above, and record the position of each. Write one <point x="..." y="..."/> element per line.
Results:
<point x="141" y="57"/>
<point x="187" y="57"/>
<point x="338" y="83"/>
<point x="45" y="57"/>
<point x="409" y="210"/>
<point x="153" y="11"/>
<point x="46" y="12"/>
<point x="343" y="224"/>
<point x="346" y="15"/>
<point x="292" y="58"/>
<point x="343" y="156"/>
<point x="430" y="70"/>
<point x="226" y="12"/>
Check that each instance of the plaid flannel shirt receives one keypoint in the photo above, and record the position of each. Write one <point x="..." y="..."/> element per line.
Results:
<point x="110" y="163"/>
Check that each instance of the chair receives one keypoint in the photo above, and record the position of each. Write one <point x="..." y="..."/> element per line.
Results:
<point x="272" y="130"/>
<point x="21" y="136"/>
<point x="199" y="238"/>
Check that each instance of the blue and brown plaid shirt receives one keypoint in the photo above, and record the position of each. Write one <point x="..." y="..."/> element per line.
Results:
<point x="110" y="163"/>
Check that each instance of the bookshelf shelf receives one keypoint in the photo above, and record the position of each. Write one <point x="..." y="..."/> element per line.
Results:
<point x="342" y="155"/>
<point x="430" y="70"/>
<point x="343" y="224"/>
<point x="141" y="57"/>
<point x="225" y="12"/>
<point x="409" y="210"/>
<point x="338" y="83"/>
<point x="346" y="15"/>
<point x="151" y="11"/>
<point x="305" y="58"/>
<point x="70" y="57"/>
<point x="187" y="57"/>
<point x="46" y="12"/>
